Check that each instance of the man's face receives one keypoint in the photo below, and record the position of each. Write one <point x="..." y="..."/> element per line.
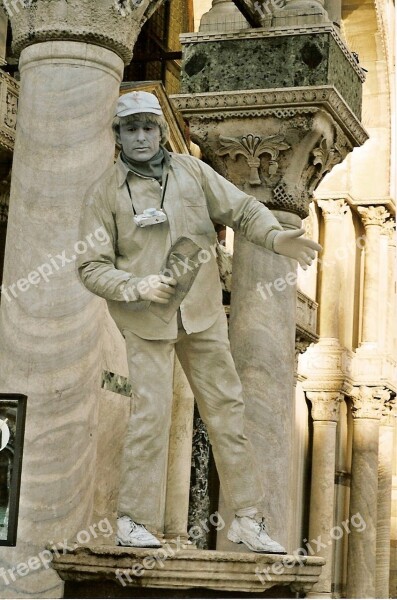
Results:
<point x="140" y="141"/>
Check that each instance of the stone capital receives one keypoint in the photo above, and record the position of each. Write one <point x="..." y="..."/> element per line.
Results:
<point x="333" y="209"/>
<point x="270" y="144"/>
<point x="369" y="402"/>
<point x="389" y="411"/>
<point x="112" y="24"/>
<point x="325" y="405"/>
<point x="373" y="215"/>
<point x="389" y="229"/>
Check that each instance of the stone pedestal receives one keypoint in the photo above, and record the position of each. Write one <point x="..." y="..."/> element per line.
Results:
<point x="367" y="411"/>
<point x="325" y="415"/>
<point x="54" y="336"/>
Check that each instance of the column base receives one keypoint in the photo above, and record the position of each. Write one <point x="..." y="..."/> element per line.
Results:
<point x="303" y="13"/>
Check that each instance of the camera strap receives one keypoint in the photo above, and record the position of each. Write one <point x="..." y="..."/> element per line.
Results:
<point x="162" y="194"/>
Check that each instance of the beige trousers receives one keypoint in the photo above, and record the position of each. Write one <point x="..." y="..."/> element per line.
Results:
<point x="209" y="367"/>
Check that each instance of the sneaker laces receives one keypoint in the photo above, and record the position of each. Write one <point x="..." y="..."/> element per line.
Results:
<point x="260" y="521"/>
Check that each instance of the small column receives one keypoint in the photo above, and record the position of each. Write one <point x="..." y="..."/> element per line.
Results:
<point x="333" y="211"/>
<point x="222" y="16"/>
<point x="300" y="12"/>
<point x="391" y="346"/>
<point x="325" y="414"/>
<point x="179" y="458"/>
<point x="385" y="476"/>
<point x="367" y="411"/>
<point x="373" y="218"/>
<point x="334" y="10"/>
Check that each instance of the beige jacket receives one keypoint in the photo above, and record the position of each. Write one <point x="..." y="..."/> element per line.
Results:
<point x="195" y="196"/>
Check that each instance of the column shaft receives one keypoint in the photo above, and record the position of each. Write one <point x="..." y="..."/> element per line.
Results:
<point x="50" y="340"/>
<point x="363" y="502"/>
<point x="333" y="211"/>
<point x="385" y="476"/>
<point x="264" y="353"/>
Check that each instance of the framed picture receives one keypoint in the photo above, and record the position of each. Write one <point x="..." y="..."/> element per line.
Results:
<point x="12" y="430"/>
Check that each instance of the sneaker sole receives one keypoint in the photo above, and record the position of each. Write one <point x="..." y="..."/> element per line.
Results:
<point x="234" y="538"/>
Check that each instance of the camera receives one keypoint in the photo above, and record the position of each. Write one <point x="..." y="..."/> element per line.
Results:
<point x="150" y="216"/>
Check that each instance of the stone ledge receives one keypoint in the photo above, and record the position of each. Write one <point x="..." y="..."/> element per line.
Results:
<point x="187" y="569"/>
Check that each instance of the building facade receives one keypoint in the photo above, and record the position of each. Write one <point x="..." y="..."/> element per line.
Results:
<point x="294" y="103"/>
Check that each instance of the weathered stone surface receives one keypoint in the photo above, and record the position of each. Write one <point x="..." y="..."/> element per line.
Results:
<point x="263" y="59"/>
<point x="184" y="569"/>
<point x="112" y="24"/>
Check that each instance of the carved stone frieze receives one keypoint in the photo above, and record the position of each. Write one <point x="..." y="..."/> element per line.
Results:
<point x="368" y="402"/>
<point x="9" y="91"/>
<point x="252" y="147"/>
<point x="112" y="24"/>
<point x="262" y="103"/>
<point x="325" y="405"/>
<point x="323" y="158"/>
<point x="373" y="215"/>
<point x="285" y="159"/>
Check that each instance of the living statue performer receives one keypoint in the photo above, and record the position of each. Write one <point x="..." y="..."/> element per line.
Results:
<point x="149" y="202"/>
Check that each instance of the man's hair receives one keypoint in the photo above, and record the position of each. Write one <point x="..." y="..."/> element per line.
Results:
<point x="145" y="118"/>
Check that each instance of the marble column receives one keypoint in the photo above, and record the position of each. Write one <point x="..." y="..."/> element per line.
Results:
<point x="179" y="458"/>
<point x="367" y="411"/>
<point x="385" y="477"/>
<point x="333" y="211"/>
<point x="325" y="415"/>
<point x="373" y="218"/>
<point x="54" y="335"/>
<point x="391" y="342"/>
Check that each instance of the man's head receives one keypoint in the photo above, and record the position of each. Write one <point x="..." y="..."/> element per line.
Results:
<point x="139" y="125"/>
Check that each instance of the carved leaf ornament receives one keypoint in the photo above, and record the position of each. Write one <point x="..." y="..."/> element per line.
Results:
<point x="252" y="147"/>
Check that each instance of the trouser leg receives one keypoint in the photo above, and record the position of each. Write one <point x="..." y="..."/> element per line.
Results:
<point x="209" y="367"/>
<point x="144" y="462"/>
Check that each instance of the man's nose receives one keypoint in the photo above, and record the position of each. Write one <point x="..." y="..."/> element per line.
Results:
<point x="141" y="134"/>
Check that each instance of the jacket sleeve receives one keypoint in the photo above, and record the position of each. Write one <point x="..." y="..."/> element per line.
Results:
<point x="96" y="266"/>
<point x="230" y="206"/>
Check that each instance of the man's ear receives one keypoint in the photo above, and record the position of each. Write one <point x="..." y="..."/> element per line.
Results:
<point x="117" y="136"/>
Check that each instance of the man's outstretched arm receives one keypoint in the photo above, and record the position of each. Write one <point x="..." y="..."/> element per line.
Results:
<point x="230" y="206"/>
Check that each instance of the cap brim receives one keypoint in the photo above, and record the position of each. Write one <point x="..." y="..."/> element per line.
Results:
<point x="136" y="111"/>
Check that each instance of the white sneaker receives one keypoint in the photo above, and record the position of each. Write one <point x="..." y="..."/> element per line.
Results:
<point x="132" y="534"/>
<point x="252" y="533"/>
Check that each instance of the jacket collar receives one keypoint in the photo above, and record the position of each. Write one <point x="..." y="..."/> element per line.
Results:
<point x="122" y="170"/>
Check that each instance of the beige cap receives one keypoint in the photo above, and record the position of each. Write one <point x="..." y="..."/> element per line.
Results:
<point x="137" y="102"/>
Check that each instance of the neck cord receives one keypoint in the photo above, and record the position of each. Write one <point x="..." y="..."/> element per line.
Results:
<point x="162" y="194"/>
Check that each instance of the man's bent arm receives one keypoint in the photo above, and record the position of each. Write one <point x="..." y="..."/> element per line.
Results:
<point x="97" y="265"/>
<point x="230" y="206"/>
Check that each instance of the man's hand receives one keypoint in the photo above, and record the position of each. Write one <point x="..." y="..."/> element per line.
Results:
<point x="290" y="243"/>
<point x="156" y="288"/>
